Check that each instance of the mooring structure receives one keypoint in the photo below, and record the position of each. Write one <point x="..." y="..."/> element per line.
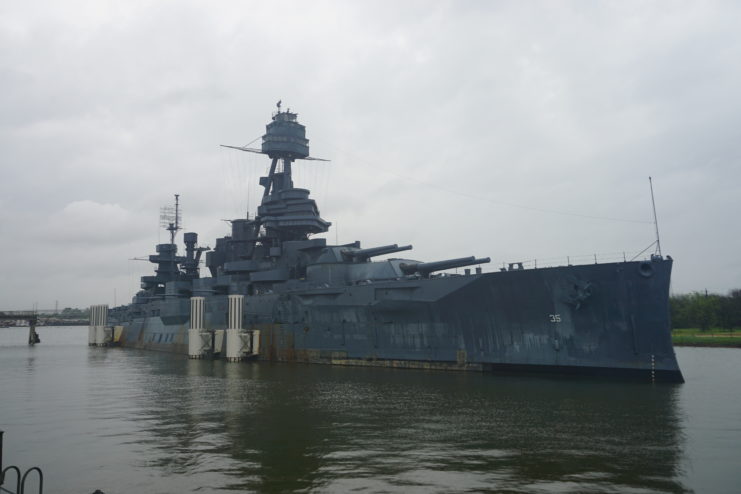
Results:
<point x="99" y="333"/>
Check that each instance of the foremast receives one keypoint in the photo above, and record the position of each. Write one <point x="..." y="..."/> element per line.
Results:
<point x="285" y="213"/>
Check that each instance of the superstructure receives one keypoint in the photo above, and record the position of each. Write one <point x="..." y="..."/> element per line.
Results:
<point x="276" y="292"/>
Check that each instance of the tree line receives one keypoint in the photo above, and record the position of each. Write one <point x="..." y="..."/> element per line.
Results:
<point x="706" y="310"/>
<point x="70" y="313"/>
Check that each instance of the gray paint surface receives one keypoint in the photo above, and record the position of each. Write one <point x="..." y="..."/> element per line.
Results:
<point x="324" y="303"/>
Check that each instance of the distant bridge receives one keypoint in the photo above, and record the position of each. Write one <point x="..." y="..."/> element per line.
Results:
<point x="48" y="317"/>
<point x="20" y="315"/>
<point x="38" y="318"/>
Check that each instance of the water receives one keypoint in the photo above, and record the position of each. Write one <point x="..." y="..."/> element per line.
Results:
<point x="125" y="421"/>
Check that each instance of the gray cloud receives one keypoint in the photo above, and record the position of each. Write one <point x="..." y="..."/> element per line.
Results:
<point x="463" y="128"/>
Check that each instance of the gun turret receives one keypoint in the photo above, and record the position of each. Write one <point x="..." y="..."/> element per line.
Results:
<point x="425" y="268"/>
<point x="362" y="255"/>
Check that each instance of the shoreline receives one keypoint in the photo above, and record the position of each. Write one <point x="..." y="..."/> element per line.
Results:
<point x="707" y="344"/>
<point x="713" y="339"/>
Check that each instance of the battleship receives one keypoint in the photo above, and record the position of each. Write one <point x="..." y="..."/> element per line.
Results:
<point x="276" y="292"/>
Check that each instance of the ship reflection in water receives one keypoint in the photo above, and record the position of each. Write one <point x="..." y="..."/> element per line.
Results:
<point x="301" y="427"/>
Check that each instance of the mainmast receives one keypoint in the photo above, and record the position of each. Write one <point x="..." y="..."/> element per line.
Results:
<point x="170" y="218"/>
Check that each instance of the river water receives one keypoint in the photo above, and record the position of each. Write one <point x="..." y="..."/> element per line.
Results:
<point x="124" y="421"/>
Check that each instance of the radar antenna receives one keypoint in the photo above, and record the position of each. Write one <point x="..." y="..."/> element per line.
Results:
<point x="170" y="218"/>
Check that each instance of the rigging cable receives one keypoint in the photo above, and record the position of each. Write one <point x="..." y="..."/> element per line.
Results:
<point x="375" y="168"/>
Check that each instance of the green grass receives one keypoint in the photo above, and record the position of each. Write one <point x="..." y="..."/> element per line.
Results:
<point x="713" y="337"/>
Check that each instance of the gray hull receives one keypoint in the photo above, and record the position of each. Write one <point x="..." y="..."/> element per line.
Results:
<point x="281" y="286"/>
<point x="601" y="319"/>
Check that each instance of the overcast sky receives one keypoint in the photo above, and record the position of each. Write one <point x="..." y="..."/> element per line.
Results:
<point x="515" y="130"/>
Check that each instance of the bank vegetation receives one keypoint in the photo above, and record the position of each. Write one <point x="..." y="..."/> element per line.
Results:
<point x="706" y="319"/>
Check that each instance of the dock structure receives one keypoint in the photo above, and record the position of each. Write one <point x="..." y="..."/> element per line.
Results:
<point x="99" y="333"/>
<point x="19" y="315"/>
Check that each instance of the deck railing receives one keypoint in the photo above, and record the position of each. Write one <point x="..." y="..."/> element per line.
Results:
<point x="568" y="260"/>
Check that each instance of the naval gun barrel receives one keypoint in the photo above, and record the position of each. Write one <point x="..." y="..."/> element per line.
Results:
<point x="425" y="268"/>
<point x="362" y="255"/>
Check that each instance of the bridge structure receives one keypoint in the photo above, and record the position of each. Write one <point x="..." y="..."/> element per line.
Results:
<point x="24" y="315"/>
